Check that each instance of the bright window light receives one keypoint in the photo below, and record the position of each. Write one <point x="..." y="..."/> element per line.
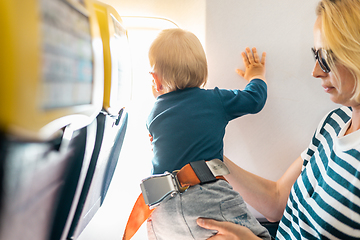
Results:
<point x="136" y="153"/>
<point x="155" y="23"/>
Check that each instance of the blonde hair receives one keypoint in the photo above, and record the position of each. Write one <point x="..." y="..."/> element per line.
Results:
<point x="341" y="34"/>
<point x="179" y="59"/>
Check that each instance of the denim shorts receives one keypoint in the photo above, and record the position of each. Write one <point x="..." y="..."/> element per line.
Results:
<point x="175" y="218"/>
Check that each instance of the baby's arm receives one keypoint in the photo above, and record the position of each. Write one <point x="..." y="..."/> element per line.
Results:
<point x="254" y="67"/>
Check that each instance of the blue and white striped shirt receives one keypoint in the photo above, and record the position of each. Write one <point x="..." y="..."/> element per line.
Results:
<point x="324" y="202"/>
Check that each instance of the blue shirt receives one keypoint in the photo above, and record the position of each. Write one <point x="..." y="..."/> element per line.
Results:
<point x="189" y="125"/>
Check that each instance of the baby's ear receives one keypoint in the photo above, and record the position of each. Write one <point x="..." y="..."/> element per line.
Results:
<point x="158" y="82"/>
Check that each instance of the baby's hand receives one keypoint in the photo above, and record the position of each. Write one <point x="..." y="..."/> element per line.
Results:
<point x="254" y="67"/>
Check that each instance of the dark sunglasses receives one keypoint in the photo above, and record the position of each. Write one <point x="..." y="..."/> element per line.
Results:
<point x="321" y="56"/>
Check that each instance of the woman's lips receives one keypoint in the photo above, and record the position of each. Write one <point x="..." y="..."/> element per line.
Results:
<point x="327" y="88"/>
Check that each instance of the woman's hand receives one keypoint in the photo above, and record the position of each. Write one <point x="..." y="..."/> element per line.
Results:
<point x="226" y="230"/>
<point x="254" y="67"/>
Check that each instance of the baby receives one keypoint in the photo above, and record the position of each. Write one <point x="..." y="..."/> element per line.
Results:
<point x="187" y="124"/>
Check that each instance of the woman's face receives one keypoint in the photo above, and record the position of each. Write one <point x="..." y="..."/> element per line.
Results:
<point x="328" y="80"/>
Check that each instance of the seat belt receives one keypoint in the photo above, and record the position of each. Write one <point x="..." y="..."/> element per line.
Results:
<point x="157" y="187"/>
<point x="138" y="216"/>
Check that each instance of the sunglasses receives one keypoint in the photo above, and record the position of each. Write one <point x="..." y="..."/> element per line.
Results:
<point x="321" y="55"/>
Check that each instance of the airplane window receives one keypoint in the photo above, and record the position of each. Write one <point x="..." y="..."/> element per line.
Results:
<point x="141" y="32"/>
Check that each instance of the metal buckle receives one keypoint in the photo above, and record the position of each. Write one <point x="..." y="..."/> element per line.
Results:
<point x="179" y="187"/>
<point x="217" y="167"/>
<point x="207" y="171"/>
<point x="157" y="187"/>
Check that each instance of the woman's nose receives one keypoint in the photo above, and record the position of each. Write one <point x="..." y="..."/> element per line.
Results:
<point x="317" y="71"/>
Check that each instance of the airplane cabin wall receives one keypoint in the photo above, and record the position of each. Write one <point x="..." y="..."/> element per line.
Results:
<point x="268" y="142"/>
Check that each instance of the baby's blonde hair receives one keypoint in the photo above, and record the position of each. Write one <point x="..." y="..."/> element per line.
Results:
<point x="341" y="34"/>
<point x="178" y="58"/>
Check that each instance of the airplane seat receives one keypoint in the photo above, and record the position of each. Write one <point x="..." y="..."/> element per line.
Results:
<point x="2" y="161"/>
<point x="53" y="92"/>
<point x="104" y="160"/>
<point x="32" y="179"/>
<point x="100" y="119"/>
<point x="71" y="178"/>
<point x="111" y="122"/>
<point x="114" y="157"/>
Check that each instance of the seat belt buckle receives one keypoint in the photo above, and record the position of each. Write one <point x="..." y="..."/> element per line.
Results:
<point x="157" y="187"/>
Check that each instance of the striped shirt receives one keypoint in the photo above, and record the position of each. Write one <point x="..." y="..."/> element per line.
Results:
<point x="324" y="202"/>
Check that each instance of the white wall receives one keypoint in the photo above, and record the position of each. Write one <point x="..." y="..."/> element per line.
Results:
<point x="268" y="142"/>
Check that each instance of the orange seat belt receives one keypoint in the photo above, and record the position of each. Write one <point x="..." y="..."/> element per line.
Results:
<point x="140" y="212"/>
<point x="138" y="216"/>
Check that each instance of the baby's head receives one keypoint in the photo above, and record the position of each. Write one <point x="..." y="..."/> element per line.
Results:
<point x="178" y="59"/>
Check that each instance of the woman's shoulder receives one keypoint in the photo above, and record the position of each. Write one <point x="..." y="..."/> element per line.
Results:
<point x="342" y="114"/>
<point x="335" y="119"/>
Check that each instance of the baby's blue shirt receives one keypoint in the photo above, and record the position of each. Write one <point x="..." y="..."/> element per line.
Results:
<point x="189" y="125"/>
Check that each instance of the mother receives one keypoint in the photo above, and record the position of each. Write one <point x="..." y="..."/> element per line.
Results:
<point x="318" y="197"/>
